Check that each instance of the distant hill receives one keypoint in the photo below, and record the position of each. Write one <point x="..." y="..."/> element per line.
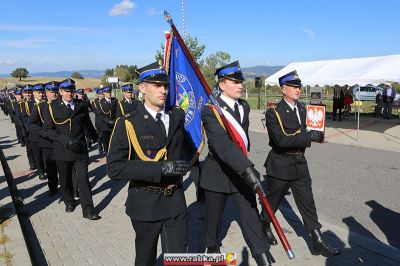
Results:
<point x="84" y="73"/>
<point x="251" y="72"/>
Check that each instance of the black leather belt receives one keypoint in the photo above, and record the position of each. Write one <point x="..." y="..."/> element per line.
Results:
<point x="167" y="191"/>
<point x="291" y="154"/>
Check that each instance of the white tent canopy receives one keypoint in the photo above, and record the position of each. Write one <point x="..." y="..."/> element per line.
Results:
<point x="361" y="71"/>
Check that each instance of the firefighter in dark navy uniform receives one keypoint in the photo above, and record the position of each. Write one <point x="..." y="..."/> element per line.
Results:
<point x="128" y="103"/>
<point x="146" y="148"/>
<point x="38" y="97"/>
<point x="64" y="122"/>
<point x="227" y="171"/>
<point x="14" y="108"/>
<point x="23" y="112"/>
<point x="286" y="165"/>
<point x="97" y="122"/>
<point x="36" y="122"/>
<point x="106" y="112"/>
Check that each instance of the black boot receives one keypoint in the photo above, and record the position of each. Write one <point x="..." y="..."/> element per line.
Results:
<point x="213" y="249"/>
<point x="320" y="247"/>
<point x="42" y="176"/>
<point x="270" y="236"/>
<point x="261" y="259"/>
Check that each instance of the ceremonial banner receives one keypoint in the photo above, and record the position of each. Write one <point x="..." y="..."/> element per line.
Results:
<point x="316" y="117"/>
<point x="186" y="91"/>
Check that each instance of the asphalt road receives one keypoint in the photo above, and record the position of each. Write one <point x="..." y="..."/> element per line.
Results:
<point x="354" y="188"/>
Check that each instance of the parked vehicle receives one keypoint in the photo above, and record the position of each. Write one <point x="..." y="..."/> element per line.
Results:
<point x="367" y="93"/>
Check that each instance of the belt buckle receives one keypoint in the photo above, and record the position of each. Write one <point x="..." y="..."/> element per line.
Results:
<point x="169" y="190"/>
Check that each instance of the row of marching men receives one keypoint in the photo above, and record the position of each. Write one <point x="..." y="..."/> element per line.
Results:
<point x="107" y="109"/>
<point x="52" y="121"/>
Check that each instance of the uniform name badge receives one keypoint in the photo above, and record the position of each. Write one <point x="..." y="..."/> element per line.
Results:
<point x="316" y="117"/>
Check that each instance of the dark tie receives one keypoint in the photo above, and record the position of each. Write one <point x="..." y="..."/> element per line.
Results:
<point x="69" y="107"/>
<point x="161" y="124"/>
<point x="237" y="113"/>
<point x="295" y="112"/>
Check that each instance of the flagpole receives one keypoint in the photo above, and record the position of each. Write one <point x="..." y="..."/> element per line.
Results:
<point x="260" y="192"/>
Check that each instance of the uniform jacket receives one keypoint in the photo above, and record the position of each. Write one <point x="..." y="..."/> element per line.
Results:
<point x="147" y="206"/>
<point x="277" y="164"/>
<point x="22" y="112"/>
<point x="223" y="167"/>
<point x="95" y="106"/>
<point x="106" y="112"/>
<point x="123" y="107"/>
<point x="33" y="134"/>
<point x="60" y="134"/>
<point x="36" y="122"/>
<point x="12" y="105"/>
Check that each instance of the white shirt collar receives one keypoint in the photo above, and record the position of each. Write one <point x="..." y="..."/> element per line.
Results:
<point x="71" y="103"/>
<point x="230" y="102"/>
<point x="291" y="105"/>
<point x="128" y="100"/>
<point x="154" y="113"/>
<point x="107" y="100"/>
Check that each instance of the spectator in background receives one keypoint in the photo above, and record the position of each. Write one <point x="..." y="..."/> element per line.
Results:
<point x="378" y="103"/>
<point x="388" y="97"/>
<point x="348" y="99"/>
<point x="338" y="101"/>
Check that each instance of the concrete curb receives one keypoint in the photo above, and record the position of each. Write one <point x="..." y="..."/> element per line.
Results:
<point x="16" y="245"/>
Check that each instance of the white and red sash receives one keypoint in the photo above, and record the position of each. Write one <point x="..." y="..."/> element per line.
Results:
<point x="236" y="128"/>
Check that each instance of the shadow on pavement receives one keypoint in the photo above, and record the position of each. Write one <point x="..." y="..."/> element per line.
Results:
<point x="40" y="202"/>
<point x="352" y="254"/>
<point x="12" y="157"/>
<point x="387" y="220"/>
<point x="98" y="173"/>
<point x="24" y="178"/>
<point x="5" y="144"/>
<point x="114" y="186"/>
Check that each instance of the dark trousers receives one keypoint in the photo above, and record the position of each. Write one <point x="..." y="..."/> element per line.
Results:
<point x="105" y="139"/>
<point x="29" y="152"/>
<point x="50" y="168"/>
<point x="99" y="142"/>
<point x="387" y="110"/>
<point x="85" y="193"/>
<point x="37" y="156"/>
<point x="173" y="238"/>
<point x="75" y="182"/>
<point x="249" y="220"/>
<point x="337" y="105"/>
<point x="302" y="194"/>
<point x="18" y="131"/>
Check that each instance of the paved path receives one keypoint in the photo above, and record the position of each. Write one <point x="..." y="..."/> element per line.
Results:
<point x="60" y="238"/>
